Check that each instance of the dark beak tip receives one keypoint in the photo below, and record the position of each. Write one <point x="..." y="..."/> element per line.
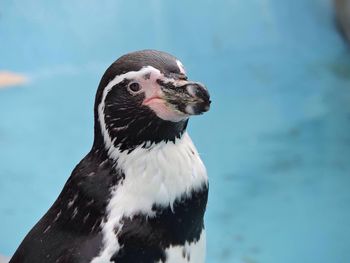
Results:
<point x="207" y="105"/>
<point x="204" y="101"/>
<point x="203" y="107"/>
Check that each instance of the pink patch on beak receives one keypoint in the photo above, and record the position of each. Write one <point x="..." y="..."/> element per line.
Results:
<point x="150" y="100"/>
<point x="154" y="98"/>
<point x="159" y="106"/>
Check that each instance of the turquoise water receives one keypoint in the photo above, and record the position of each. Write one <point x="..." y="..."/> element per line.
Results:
<point x="276" y="141"/>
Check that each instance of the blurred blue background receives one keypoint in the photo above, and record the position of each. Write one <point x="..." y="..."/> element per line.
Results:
<point x="276" y="141"/>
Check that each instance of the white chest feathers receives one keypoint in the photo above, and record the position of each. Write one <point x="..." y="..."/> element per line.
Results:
<point x="157" y="175"/>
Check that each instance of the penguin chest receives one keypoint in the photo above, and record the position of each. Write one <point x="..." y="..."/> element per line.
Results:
<point x="158" y="207"/>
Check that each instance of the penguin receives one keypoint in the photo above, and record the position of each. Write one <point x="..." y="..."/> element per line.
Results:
<point x="140" y="194"/>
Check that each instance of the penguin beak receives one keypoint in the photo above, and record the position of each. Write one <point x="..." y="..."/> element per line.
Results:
<point x="186" y="97"/>
<point x="176" y="99"/>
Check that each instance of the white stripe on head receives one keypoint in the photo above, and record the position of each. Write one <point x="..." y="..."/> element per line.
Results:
<point x="181" y="67"/>
<point x="118" y="79"/>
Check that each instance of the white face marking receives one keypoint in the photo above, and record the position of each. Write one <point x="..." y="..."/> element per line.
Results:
<point x="153" y="93"/>
<point x="158" y="175"/>
<point x="181" y="67"/>
<point x="194" y="252"/>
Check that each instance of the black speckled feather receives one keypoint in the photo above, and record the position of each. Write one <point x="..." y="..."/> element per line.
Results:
<point x="62" y="237"/>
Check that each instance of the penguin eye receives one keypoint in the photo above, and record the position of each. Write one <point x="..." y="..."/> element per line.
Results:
<point x="134" y="87"/>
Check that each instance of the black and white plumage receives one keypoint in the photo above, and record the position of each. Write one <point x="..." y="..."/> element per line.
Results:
<point x="140" y="194"/>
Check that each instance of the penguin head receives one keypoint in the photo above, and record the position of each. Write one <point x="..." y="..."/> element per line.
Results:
<point x="144" y="98"/>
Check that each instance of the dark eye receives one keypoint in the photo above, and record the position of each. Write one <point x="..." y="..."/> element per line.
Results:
<point x="134" y="87"/>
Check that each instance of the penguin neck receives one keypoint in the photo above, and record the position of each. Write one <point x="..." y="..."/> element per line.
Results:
<point x="143" y="133"/>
